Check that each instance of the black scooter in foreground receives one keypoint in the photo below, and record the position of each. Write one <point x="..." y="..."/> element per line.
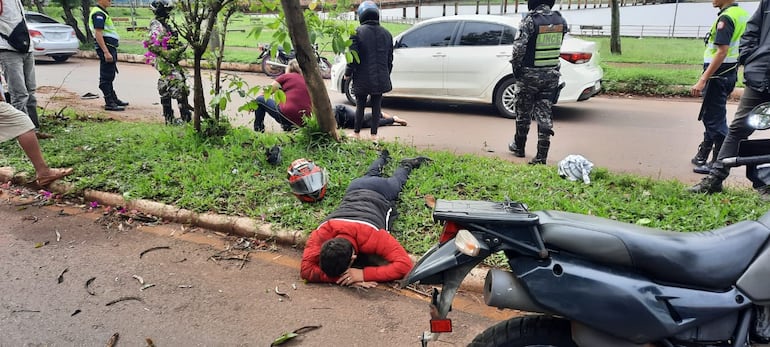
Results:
<point x="595" y="282"/>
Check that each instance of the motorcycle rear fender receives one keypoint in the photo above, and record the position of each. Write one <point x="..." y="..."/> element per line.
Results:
<point x="440" y="258"/>
<point x="621" y="303"/>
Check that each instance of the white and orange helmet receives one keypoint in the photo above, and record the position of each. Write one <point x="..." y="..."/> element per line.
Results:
<point x="307" y="180"/>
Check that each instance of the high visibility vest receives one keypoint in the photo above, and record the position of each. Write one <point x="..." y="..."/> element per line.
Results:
<point x="545" y="43"/>
<point x="109" y="26"/>
<point x="739" y="17"/>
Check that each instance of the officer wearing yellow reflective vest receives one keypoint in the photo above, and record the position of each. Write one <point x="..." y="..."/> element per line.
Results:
<point x="720" y="72"/>
<point x="106" y="45"/>
<point x="535" y="63"/>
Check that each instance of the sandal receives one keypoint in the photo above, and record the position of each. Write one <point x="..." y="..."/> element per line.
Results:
<point x="54" y="174"/>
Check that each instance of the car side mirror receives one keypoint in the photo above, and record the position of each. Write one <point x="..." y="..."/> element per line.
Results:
<point x="759" y="117"/>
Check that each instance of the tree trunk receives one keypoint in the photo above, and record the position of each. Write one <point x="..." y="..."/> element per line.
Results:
<point x="295" y="21"/>
<point x="85" y="8"/>
<point x="221" y="53"/>
<point x="199" y="101"/>
<point x="70" y="20"/>
<point x="615" y="29"/>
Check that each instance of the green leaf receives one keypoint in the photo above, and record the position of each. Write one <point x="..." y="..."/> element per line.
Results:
<point x="283" y="338"/>
<point x="643" y="221"/>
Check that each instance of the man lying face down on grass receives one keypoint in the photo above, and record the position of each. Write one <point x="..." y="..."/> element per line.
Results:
<point x="353" y="247"/>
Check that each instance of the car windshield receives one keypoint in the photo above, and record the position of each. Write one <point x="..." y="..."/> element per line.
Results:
<point x="36" y="18"/>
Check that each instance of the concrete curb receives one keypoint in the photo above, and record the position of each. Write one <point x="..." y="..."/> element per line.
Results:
<point x="239" y="226"/>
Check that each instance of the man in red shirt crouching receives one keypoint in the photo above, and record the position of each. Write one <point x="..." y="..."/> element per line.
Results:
<point x="358" y="229"/>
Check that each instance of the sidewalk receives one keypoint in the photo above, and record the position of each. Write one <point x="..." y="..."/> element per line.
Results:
<point x="237" y="226"/>
<point x="75" y="276"/>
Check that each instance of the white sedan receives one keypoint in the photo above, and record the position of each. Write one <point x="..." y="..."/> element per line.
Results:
<point x="467" y="59"/>
<point x="51" y="38"/>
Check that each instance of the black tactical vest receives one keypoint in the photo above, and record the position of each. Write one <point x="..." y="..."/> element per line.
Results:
<point x="545" y="43"/>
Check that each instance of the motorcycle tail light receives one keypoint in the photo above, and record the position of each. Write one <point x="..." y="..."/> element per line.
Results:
<point x="450" y="230"/>
<point x="467" y="243"/>
<point x="576" y="57"/>
<point x="441" y="325"/>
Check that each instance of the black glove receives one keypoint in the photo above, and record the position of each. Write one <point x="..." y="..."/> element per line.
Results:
<point x="274" y="155"/>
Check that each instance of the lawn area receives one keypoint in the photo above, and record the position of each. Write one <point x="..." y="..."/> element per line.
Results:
<point x="229" y="174"/>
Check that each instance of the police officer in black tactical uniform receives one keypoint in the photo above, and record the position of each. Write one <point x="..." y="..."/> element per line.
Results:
<point x="535" y="64"/>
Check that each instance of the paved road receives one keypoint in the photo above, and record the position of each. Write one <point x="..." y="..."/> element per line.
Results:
<point x="646" y="136"/>
<point x="195" y="301"/>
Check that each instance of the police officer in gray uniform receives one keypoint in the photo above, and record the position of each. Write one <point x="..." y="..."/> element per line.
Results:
<point x="535" y="64"/>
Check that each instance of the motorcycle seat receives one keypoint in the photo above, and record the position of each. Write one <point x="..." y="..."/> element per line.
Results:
<point x="709" y="259"/>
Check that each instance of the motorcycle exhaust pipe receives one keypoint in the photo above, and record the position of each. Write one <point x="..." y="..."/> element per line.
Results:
<point x="503" y="290"/>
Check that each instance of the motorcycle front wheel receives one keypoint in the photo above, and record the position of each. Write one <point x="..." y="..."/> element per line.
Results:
<point x="269" y="69"/>
<point x="325" y="67"/>
<point x="530" y="331"/>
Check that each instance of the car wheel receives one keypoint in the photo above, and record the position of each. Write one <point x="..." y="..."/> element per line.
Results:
<point x="347" y="86"/>
<point x="505" y="98"/>
<point x="60" y="58"/>
<point x="269" y="69"/>
<point x="325" y="67"/>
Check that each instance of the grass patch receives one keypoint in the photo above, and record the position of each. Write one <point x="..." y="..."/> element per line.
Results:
<point x="229" y="174"/>
<point x="652" y="66"/>
<point x="645" y="80"/>
<point x="652" y="50"/>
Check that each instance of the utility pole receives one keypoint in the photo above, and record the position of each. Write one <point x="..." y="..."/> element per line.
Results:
<point x="673" y="26"/>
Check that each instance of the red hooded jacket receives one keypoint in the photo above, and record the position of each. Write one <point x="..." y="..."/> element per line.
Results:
<point x="366" y="239"/>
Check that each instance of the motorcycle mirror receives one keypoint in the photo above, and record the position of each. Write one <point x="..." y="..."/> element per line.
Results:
<point x="759" y="117"/>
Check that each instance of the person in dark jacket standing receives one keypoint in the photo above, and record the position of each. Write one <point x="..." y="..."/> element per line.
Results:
<point x="755" y="58"/>
<point x="371" y="72"/>
<point x="535" y="63"/>
<point x="358" y="229"/>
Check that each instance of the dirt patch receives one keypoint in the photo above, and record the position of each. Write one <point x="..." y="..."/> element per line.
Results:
<point x="54" y="99"/>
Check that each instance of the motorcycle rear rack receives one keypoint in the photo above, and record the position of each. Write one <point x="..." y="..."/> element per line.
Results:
<point x="508" y="222"/>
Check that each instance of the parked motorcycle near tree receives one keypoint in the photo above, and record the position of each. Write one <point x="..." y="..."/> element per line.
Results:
<point x="274" y="65"/>
<point x="595" y="282"/>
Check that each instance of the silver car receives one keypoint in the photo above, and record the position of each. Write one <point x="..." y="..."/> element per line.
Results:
<point x="51" y="38"/>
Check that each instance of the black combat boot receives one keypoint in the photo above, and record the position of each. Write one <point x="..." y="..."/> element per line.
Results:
<point x="168" y="111"/>
<point x="385" y="155"/>
<point x="168" y="116"/>
<point x="118" y="101"/>
<point x="414" y="163"/>
<point x="703" y="153"/>
<point x="185" y="110"/>
<point x="519" y="140"/>
<point x="542" y="152"/>
<point x="709" y="184"/>
<point x="706" y="167"/>
<point x="110" y="104"/>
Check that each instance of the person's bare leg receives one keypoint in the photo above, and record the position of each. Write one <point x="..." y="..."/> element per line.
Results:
<point x="30" y="145"/>
<point x="44" y="174"/>
<point x="399" y="121"/>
